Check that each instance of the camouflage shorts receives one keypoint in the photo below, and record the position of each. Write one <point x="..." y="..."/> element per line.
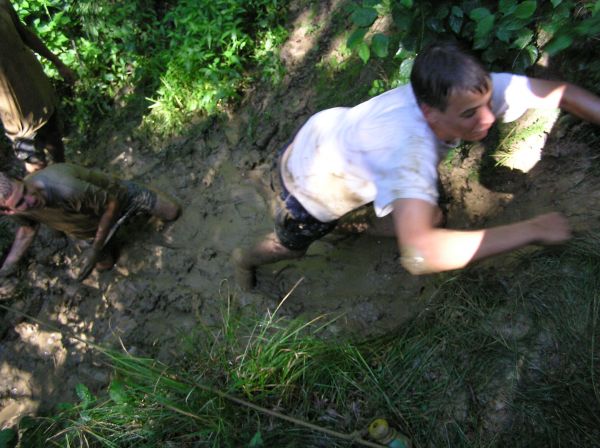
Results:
<point x="295" y="227"/>
<point x="141" y="199"/>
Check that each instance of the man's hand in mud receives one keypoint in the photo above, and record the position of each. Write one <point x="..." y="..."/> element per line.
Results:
<point x="89" y="257"/>
<point x="551" y="228"/>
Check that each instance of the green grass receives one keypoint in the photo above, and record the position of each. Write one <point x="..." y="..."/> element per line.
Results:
<point x="498" y="358"/>
<point x="164" y="62"/>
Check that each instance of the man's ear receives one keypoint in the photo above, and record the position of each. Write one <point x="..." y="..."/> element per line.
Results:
<point x="429" y="112"/>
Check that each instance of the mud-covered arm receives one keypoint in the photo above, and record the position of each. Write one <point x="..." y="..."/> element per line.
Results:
<point x="426" y="248"/>
<point x="23" y="238"/>
<point x="35" y="43"/>
<point x="569" y="97"/>
<point x="107" y="219"/>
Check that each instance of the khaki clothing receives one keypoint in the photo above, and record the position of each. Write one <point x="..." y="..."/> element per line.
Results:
<point x="76" y="198"/>
<point x="27" y="99"/>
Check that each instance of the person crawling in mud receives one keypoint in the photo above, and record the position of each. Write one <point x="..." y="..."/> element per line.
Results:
<point x="82" y="203"/>
<point x="385" y="152"/>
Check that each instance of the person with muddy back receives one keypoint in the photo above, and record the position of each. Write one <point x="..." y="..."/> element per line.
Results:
<point x="27" y="100"/>
<point x="385" y="152"/>
<point x="82" y="203"/>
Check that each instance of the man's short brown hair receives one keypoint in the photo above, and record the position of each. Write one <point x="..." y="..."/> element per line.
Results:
<point x="443" y="68"/>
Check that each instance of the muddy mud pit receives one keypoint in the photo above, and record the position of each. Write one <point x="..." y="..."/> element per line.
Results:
<point x="171" y="277"/>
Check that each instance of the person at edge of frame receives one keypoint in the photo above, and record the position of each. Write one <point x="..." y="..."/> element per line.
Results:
<point x="28" y="104"/>
<point x="80" y="202"/>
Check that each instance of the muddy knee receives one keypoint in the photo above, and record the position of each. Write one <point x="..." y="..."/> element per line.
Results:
<point x="166" y="208"/>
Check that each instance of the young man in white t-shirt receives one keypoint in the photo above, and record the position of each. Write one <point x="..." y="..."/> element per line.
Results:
<point x="385" y="151"/>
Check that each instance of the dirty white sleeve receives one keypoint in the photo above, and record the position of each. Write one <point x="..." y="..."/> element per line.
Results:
<point x="511" y="97"/>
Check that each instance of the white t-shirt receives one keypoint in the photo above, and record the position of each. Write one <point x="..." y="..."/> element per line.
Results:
<point x="378" y="151"/>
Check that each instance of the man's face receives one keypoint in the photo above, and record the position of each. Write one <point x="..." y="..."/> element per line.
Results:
<point x="24" y="197"/>
<point x="468" y="116"/>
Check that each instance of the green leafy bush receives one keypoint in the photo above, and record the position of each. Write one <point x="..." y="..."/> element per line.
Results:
<point x="209" y="48"/>
<point x="186" y="57"/>
<point x="508" y="32"/>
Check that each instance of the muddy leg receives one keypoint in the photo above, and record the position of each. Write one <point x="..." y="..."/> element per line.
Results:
<point x="267" y="251"/>
<point x="166" y="208"/>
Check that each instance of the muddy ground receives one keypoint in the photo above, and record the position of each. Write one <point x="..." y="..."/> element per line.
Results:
<point x="170" y="277"/>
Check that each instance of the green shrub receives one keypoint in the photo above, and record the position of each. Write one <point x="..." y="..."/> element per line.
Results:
<point x="508" y="33"/>
<point x="186" y="57"/>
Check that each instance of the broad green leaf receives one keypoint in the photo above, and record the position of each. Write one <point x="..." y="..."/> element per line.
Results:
<point x="555" y="3"/>
<point x="558" y="43"/>
<point x="525" y="59"/>
<point x="532" y="52"/>
<point x="363" y="52"/>
<point x="406" y="68"/>
<point x="596" y="8"/>
<point x="562" y="11"/>
<point x="507" y="6"/>
<point x="479" y="14"/>
<point x="503" y="34"/>
<point x="482" y="31"/>
<point x="481" y="42"/>
<point x="526" y="9"/>
<point x="380" y="45"/>
<point x="363" y="16"/>
<point x="456" y="11"/>
<point x="523" y="38"/>
<point x="356" y="38"/>
<point x="407" y="3"/>
<point x="455" y="23"/>
<point x="371" y="3"/>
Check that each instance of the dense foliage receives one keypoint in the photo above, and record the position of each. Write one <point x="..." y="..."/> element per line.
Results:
<point x="508" y="34"/>
<point x="186" y="57"/>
